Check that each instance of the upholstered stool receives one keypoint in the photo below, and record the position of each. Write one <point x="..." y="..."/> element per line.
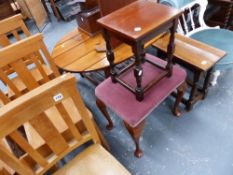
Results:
<point x="133" y="112"/>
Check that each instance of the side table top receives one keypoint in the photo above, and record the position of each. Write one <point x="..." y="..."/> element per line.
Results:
<point x="138" y="18"/>
<point x="75" y="52"/>
<point x="193" y="52"/>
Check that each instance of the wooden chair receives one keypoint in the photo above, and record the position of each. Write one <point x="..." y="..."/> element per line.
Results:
<point x="192" y="24"/>
<point x="24" y="77"/>
<point x="9" y="32"/>
<point x="21" y="76"/>
<point x="11" y="26"/>
<point x="32" y="108"/>
<point x="23" y="68"/>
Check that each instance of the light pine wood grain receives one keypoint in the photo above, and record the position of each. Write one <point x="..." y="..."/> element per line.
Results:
<point x="31" y="108"/>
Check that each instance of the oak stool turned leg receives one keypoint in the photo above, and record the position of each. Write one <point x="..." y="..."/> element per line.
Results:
<point x="180" y="92"/>
<point x="104" y="111"/>
<point x="135" y="133"/>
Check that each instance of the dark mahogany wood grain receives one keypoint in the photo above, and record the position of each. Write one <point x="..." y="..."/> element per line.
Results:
<point x="144" y="14"/>
<point x="136" y="24"/>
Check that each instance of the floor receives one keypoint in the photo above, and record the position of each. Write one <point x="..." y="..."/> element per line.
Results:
<point x="200" y="142"/>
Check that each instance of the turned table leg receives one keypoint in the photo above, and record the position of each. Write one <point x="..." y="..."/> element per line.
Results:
<point x="196" y="78"/>
<point x="138" y="71"/>
<point x="171" y="48"/>
<point x="206" y="83"/>
<point x="107" y="72"/>
<point x="104" y="111"/>
<point x="180" y="92"/>
<point x="110" y="55"/>
<point x="135" y="133"/>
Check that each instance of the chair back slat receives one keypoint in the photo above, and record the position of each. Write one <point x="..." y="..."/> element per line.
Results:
<point x="4" y="99"/>
<point x="40" y="58"/>
<point x="22" y="66"/>
<point x="81" y="108"/>
<point x="49" y="133"/>
<point x="12" y="161"/>
<point x="32" y="108"/>
<point x="21" y="141"/>
<point x="4" y="41"/>
<point x="179" y="28"/>
<point x="4" y="168"/>
<point x="3" y="171"/>
<point x="184" y="23"/>
<point x="68" y="120"/>
<point x="50" y="60"/>
<point x="16" y="35"/>
<point x="191" y="18"/>
<point x="12" y="25"/>
<point x="25" y="75"/>
<point x="37" y="60"/>
<point x="10" y="84"/>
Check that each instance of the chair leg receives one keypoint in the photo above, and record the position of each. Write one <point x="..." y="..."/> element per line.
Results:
<point x="55" y="167"/>
<point x="181" y="90"/>
<point x="104" y="111"/>
<point x="102" y="138"/>
<point x="135" y="133"/>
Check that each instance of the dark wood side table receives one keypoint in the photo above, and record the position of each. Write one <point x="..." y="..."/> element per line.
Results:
<point x="135" y="25"/>
<point x="107" y="7"/>
<point x="198" y="58"/>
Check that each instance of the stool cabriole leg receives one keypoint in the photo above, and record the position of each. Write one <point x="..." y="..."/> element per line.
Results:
<point x="104" y="111"/>
<point x="180" y="92"/>
<point x="135" y="133"/>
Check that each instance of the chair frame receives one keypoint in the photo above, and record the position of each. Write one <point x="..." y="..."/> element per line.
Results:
<point x="25" y="109"/>
<point x="189" y="15"/>
<point x="12" y="55"/>
<point x="12" y="25"/>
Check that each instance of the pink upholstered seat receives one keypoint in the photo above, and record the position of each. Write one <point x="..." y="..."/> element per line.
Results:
<point x="123" y="102"/>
